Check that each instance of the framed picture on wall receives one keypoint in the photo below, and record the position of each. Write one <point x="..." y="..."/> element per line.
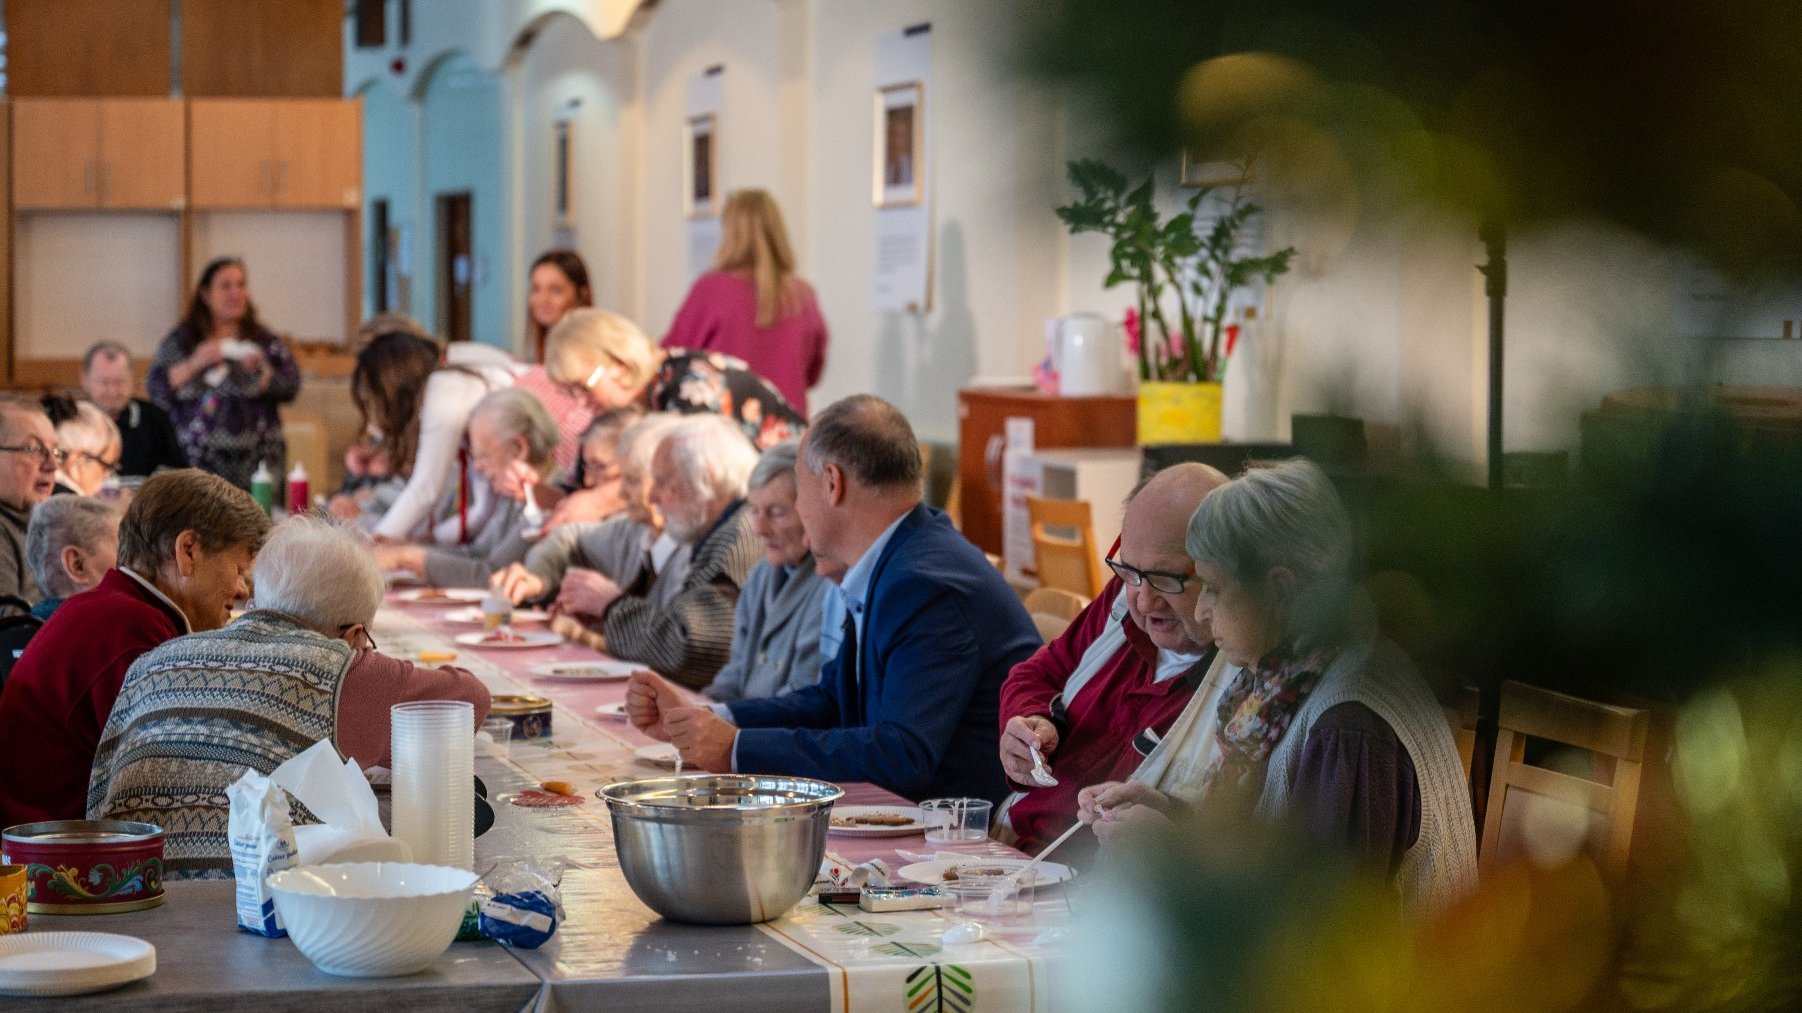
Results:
<point x="562" y="175"/>
<point x="900" y="140"/>
<point x="700" y="167"/>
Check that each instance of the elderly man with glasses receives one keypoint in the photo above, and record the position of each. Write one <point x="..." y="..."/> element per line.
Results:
<point x="29" y="459"/>
<point x="1097" y="698"/>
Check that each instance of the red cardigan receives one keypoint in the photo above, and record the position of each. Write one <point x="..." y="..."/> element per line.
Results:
<point x="61" y="692"/>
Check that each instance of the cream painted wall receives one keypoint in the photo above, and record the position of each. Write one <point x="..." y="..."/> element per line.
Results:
<point x="136" y="257"/>
<point x="1384" y="319"/>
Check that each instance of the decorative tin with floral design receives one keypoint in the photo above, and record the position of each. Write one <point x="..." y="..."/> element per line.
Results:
<point x="531" y="715"/>
<point x="88" y="866"/>
<point x="13" y="888"/>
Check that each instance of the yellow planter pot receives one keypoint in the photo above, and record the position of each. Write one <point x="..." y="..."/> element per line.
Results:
<point x="1178" y="412"/>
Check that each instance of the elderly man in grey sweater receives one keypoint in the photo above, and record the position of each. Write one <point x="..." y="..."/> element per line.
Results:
<point x="659" y="584"/>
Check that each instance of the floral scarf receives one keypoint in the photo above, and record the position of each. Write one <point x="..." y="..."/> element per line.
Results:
<point x="1255" y="712"/>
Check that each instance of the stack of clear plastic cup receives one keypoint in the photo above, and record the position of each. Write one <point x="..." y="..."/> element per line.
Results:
<point x="434" y="780"/>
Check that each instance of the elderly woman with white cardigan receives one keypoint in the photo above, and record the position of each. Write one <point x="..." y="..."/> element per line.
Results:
<point x="776" y="629"/>
<point x="1319" y="719"/>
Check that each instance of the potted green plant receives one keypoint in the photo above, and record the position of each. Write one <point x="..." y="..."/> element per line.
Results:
<point x="1185" y="270"/>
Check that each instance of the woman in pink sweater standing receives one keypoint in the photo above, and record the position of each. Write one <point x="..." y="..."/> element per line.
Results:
<point x="752" y="306"/>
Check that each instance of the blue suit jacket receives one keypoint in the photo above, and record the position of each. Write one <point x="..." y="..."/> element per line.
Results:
<point x="941" y="631"/>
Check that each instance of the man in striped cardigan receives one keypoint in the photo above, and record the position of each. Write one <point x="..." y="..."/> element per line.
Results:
<point x="622" y="586"/>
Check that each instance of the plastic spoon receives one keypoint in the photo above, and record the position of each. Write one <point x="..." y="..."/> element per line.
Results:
<point x="1040" y="772"/>
<point x="532" y="515"/>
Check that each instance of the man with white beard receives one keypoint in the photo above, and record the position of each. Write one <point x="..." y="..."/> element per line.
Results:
<point x="666" y="602"/>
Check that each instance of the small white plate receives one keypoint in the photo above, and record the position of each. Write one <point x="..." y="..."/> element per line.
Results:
<point x="933" y="873"/>
<point x="915" y="824"/>
<point x="526" y="639"/>
<point x="474" y="615"/>
<point x="617" y="711"/>
<point x="585" y="671"/>
<point x="72" y="963"/>
<point x="658" y="754"/>
<point x="441" y="596"/>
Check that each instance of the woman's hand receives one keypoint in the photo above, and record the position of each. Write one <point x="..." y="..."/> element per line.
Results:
<point x="583" y="506"/>
<point x="205" y="356"/>
<point x="1106" y="800"/>
<point x="401" y="557"/>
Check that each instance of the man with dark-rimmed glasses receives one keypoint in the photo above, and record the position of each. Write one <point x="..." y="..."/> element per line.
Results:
<point x="1097" y="698"/>
<point x="29" y="457"/>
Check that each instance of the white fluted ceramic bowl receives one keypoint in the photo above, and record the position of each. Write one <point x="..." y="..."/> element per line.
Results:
<point x="372" y="919"/>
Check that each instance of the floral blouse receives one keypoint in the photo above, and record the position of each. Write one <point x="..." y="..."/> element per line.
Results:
<point x="695" y="382"/>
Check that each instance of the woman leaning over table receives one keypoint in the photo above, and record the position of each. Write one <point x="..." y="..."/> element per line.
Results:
<point x="416" y="403"/>
<point x="609" y="360"/>
<point x="1326" y="723"/>
<point x="559" y="283"/>
<point x="752" y="305"/>
<point x="221" y="376"/>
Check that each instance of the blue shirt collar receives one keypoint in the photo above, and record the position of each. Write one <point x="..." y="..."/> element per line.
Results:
<point x="856" y="586"/>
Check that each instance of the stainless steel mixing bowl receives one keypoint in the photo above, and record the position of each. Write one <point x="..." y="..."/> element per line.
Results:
<point x="720" y="849"/>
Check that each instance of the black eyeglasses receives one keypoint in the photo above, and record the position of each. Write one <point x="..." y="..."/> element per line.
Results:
<point x="1161" y="582"/>
<point x="40" y="452"/>
<point x="368" y="641"/>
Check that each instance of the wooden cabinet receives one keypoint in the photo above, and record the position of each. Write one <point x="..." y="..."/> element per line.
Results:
<point x="98" y="153"/>
<point x="982" y="415"/>
<point x="276" y="153"/>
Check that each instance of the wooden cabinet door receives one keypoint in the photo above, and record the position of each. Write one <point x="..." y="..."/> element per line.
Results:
<point x="56" y="148"/>
<point x="232" y="162"/>
<point x="319" y="144"/>
<point x="142" y="143"/>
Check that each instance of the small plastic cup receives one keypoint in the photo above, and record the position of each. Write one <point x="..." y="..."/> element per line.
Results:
<point x="956" y="820"/>
<point x="501" y="731"/>
<point x="994" y="900"/>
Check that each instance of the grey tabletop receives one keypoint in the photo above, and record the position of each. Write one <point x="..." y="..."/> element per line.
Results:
<point x="203" y="961"/>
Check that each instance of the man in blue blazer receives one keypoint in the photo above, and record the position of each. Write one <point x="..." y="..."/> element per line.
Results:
<point x="930" y="630"/>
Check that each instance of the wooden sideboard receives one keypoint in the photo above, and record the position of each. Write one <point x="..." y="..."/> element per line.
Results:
<point x="982" y="415"/>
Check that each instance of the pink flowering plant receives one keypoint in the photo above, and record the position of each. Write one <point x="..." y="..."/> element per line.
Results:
<point x="1171" y="263"/>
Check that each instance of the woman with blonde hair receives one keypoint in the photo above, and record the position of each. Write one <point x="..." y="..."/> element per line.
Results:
<point x="752" y="306"/>
<point x="605" y="357"/>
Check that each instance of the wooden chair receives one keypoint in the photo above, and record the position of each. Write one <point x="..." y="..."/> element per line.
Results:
<point x="1070" y="563"/>
<point x="1462" y="717"/>
<point x="1053" y="609"/>
<point x="1527" y="797"/>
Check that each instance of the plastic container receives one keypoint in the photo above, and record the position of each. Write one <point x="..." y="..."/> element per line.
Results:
<point x="434" y="767"/>
<point x="300" y="498"/>
<point x="262" y="487"/>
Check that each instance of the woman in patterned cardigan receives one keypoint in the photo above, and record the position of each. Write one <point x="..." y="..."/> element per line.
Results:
<point x="299" y="667"/>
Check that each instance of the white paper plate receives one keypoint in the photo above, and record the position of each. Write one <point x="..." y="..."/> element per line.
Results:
<point x="933" y="873"/>
<point x="601" y="670"/>
<point x="71" y="963"/>
<point x="441" y="595"/>
<point x="474" y="615"/>
<point x="658" y="754"/>
<point x="914" y="825"/>
<point x="617" y="711"/>
<point x="527" y="639"/>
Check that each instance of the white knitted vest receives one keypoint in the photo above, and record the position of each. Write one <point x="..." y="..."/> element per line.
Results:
<point x="1442" y="865"/>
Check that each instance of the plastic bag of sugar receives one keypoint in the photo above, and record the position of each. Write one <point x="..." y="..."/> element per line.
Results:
<point x="262" y="842"/>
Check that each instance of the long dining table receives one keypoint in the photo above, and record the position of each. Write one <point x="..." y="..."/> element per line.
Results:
<point x="610" y="951"/>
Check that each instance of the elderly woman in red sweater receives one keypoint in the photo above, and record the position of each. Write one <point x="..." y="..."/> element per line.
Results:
<point x="186" y="545"/>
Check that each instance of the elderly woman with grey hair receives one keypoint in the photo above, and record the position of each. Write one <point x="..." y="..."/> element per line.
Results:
<point x="512" y="440"/>
<point x="658" y="585"/>
<point x="71" y="543"/>
<point x="776" y="632"/>
<point x="299" y="667"/>
<point x="91" y="446"/>
<point x="1325" y="722"/>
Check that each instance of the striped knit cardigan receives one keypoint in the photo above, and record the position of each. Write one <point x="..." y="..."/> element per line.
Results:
<point x="196" y="712"/>
<point x="685" y="635"/>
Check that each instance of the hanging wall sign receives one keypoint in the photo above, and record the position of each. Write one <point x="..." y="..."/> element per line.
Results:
<point x="702" y="183"/>
<point x="901" y="169"/>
